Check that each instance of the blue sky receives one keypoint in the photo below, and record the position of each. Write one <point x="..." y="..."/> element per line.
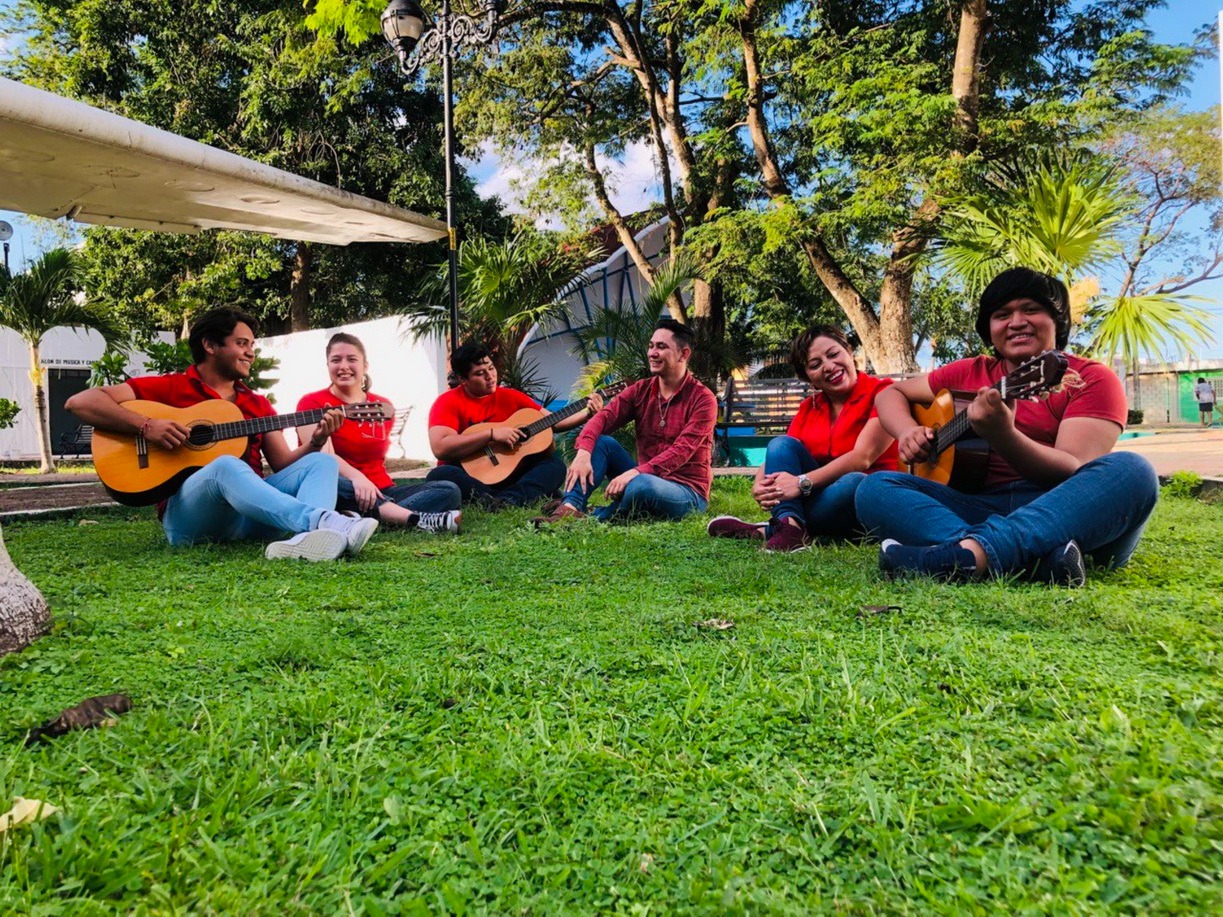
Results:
<point x="1178" y="23"/>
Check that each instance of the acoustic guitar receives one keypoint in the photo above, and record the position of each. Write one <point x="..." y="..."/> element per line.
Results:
<point x="496" y="462"/>
<point x="962" y="463"/>
<point x="137" y="475"/>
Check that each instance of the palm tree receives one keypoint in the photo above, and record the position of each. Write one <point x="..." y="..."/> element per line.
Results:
<point x="42" y="298"/>
<point x="1063" y="213"/>
<point x="506" y="287"/>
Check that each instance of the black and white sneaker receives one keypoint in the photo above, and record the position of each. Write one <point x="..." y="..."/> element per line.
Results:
<point x="437" y="523"/>
<point x="1064" y="566"/>
<point x="948" y="562"/>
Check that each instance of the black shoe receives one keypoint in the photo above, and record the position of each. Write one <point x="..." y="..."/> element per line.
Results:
<point x="1063" y="567"/>
<point x="947" y="561"/>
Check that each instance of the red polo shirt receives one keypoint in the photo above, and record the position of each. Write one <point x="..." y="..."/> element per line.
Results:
<point x="458" y="410"/>
<point x="826" y="438"/>
<point x="182" y="390"/>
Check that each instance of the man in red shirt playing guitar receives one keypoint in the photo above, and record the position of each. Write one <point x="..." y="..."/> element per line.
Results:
<point x="1053" y="489"/>
<point x="228" y="498"/>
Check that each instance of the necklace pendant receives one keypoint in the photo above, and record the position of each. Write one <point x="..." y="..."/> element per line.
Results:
<point x="662" y="421"/>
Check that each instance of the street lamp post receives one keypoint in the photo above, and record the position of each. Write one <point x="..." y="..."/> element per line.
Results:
<point x="403" y="26"/>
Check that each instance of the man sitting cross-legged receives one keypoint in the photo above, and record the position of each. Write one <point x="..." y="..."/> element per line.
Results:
<point x="229" y="498"/>
<point x="1053" y="491"/>
<point x="675" y="416"/>
<point x="479" y="399"/>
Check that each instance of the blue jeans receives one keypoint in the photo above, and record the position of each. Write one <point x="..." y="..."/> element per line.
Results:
<point x="225" y="500"/>
<point x="426" y="497"/>
<point x="542" y="477"/>
<point x="829" y="511"/>
<point x="645" y="495"/>
<point x="1103" y="506"/>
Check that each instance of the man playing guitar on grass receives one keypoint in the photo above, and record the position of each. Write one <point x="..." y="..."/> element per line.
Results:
<point x="675" y="416"/>
<point x="480" y="400"/>
<point x="229" y="498"/>
<point x="1053" y="491"/>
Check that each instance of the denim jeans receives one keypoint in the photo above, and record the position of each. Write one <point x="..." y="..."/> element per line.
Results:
<point x="829" y="511"/>
<point x="425" y="497"/>
<point x="225" y="500"/>
<point x="645" y="495"/>
<point x="1103" y="506"/>
<point x="542" y="477"/>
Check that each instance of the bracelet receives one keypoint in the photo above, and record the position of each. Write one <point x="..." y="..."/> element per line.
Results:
<point x="144" y="427"/>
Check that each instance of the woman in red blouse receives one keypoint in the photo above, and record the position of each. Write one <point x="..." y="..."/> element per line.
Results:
<point x="365" y="487"/>
<point x="809" y="476"/>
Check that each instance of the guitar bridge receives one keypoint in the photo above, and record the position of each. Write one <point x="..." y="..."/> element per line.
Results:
<point x="142" y="452"/>
<point x="492" y="456"/>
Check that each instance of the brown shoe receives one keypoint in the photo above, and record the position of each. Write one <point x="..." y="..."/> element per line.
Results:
<point x="550" y="507"/>
<point x="562" y="512"/>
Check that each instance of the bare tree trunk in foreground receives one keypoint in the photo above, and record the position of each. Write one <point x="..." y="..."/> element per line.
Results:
<point x="24" y="615"/>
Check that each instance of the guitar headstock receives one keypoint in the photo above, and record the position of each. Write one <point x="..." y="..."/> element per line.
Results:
<point x="369" y="412"/>
<point x="611" y="391"/>
<point x="1035" y="377"/>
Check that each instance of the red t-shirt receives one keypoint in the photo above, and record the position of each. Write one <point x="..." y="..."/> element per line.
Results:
<point x="362" y="444"/>
<point x="182" y="390"/>
<point x="458" y="410"/>
<point x="827" y="439"/>
<point x="1089" y="389"/>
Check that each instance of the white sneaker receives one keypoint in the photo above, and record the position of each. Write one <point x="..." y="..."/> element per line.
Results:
<point x="358" y="531"/>
<point x="436" y="523"/>
<point x="321" y="544"/>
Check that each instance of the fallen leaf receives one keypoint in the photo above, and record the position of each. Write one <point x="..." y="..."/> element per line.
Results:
<point x="715" y="624"/>
<point x="25" y="811"/>
<point x="424" y="554"/>
<point x="91" y="712"/>
<point x="877" y="610"/>
<point x="647" y="860"/>
<point x="87" y="522"/>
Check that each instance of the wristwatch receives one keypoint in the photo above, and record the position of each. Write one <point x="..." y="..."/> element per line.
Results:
<point x="804" y="485"/>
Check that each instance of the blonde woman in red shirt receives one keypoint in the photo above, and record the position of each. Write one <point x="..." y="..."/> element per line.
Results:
<point x="361" y="447"/>
<point x="810" y="475"/>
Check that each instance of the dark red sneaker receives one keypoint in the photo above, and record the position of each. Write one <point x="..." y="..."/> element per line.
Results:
<point x="734" y="527"/>
<point x="787" y="539"/>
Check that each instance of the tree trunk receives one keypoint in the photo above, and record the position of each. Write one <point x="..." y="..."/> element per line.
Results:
<point x="24" y="615"/>
<point x="41" y="414"/>
<point x="299" y="288"/>
<point x="966" y="74"/>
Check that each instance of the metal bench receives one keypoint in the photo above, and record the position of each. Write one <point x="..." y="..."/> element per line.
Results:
<point x="764" y="406"/>
<point x="396" y="433"/>
<point x="77" y="442"/>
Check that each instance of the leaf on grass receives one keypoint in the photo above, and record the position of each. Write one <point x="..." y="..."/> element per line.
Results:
<point x="87" y="522"/>
<point x="424" y="554"/>
<point x="877" y="610"/>
<point x="26" y="811"/>
<point x="88" y="714"/>
<point x="647" y="860"/>
<point x="715" y="624"/>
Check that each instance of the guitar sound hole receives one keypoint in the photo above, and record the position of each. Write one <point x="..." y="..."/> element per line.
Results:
<point x="200" y="436"/>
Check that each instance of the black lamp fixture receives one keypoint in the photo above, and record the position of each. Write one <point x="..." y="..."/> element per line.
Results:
<point x="416" y="39"/>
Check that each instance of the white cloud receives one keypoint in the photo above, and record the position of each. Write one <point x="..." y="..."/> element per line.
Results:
<point x="633" y="182"/>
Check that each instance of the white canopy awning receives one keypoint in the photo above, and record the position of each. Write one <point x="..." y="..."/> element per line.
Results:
<point x="64" y="158"/>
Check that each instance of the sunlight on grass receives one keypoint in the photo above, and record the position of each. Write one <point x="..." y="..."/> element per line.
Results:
<point x="517" y="722"/>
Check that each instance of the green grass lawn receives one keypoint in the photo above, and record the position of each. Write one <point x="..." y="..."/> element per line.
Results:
<point x="512" y="722"/>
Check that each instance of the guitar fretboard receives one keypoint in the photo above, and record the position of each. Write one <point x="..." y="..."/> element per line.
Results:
<point x="256" y="425"/>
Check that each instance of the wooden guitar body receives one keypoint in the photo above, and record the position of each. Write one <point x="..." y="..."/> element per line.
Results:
<point x="136" y="480"/>
<point x="963" y="463"/>
<point x="497" y="463"/>
<point x="934" y="416"/>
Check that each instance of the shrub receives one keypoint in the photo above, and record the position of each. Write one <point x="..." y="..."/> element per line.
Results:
<point x="1183" y="484"/>
<point x="8" y="413"/>
<point x="1134" y="417"/>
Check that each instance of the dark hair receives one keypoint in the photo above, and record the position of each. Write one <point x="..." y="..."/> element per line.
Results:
<point x="215" y="326"/>
<point x="682" y="333"/>
<point x="802" y="346"/>
<point x="342" y="337"/>
<point x="468" y="355"/>
<point x="1025" y="283"/>
<point x="1201" y="378"/>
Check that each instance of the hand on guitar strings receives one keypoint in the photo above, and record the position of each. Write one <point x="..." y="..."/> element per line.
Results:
<point x="506" y="436"/>
<point x="914" y="444"/>
<point x="594" y="404"/>
<point x="991" y="417"/>
<point x="168" y="434"/>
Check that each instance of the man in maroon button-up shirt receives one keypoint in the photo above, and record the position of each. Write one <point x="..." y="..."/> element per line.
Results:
<point x="675" y="416"/>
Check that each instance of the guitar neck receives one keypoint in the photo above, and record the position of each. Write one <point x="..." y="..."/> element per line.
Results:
<point x="256" y="425"/>
<point x="552" y="420"/>
<point x="953" y="429"/>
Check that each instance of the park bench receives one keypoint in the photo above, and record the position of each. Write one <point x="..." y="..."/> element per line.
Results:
<point x="76" y="442"/>
<point x="765" y="407"/>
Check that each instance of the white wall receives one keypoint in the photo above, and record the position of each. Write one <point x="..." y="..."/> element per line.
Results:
<point x="410" y="373"/>
<point x="62" y="348"/>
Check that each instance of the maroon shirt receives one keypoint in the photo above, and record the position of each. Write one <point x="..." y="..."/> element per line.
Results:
<point x="676" y="445"/>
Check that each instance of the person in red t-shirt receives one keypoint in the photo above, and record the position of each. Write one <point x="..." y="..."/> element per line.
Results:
<point x="674" y="415"/>
<point x="1054" y="490"/>
<point x="479" y="399"/>
<point x="228" y="498"/>
<point x="810" y="475"/>
<point x="365" y="487"/>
